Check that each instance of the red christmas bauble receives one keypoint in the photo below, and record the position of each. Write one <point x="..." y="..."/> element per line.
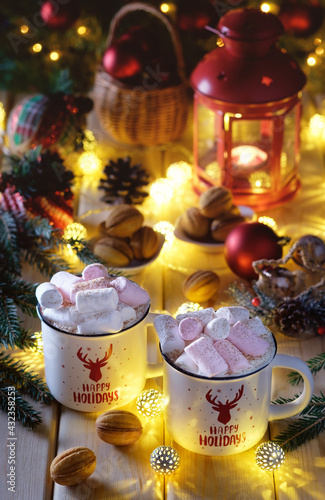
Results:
<point x="248" y="242"/>
<point x="301" y="19"/>
<point x="60" y="17"/>
<point x="193" y="15"/>
<point x="123" y="59"/>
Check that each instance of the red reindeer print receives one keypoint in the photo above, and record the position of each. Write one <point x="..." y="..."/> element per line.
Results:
<point x="95" y="366"/>
<point x="224" y="408"/>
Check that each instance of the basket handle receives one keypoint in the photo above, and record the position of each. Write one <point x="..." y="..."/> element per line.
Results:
<point x="135" y="6"/>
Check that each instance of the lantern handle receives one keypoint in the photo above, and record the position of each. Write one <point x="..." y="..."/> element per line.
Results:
<point x="214" y="30"/>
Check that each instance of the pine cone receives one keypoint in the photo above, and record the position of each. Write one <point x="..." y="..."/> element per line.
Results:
<point x="294" y="320"/>
<point x="124" y="182"/>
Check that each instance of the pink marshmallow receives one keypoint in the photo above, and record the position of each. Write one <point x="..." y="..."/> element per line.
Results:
<point x="206" y="357"/>
<point x="93" y="271"/>
<point x="81" y="286"/>
<point x="64" y="281"/>
<point x="190" y="328"/>
<point x="233" y="357"/>
<point x="246" y="341"/>
<point x="129" y="292"/>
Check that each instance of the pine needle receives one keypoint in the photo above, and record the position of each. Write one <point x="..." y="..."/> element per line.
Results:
<point x="315" y="364"/>
<point x="24" y="412"/>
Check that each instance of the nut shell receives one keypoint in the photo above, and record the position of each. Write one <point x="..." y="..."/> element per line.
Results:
<point x="114" y="251"/>
<point x="201" y="286"/>
<point x="220" y="228"/>
<point x="73" y="466"/>
<point x="118" y="427"/>
<point x="123" y="220"/>
<point x="194" y="224"/>
<point x="144" y="243"/>
<point x="215" y="201"/>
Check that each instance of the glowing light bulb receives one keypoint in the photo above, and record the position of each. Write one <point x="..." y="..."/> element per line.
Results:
<point x="317" y="126"/>
<point x="268" y="221"/>
<point x="269" y="456"/>
<point x="187" y="307"/>
<point x="265" y="7"/>
<point x="89" y="163"/>
<point x="164" y="7"/>
<point x="151" y="403"/>
<point x="54" y="55"/>
<point x="179" y="173"/>
<point x="162" y="191"/>
<point x="311" y="60"/>
<point x="164" y="460"/>
<point x="167" y="230"/>
<point x="37" y="47"/>
<point x="2" y="116"/>
<point x="24" y="29"/>
<point x="82" y="30"/>
<point x="38" y="345"/>
<point x="75" y="231"/>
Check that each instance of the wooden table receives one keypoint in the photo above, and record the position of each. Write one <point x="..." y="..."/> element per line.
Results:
<point x="125" y="472"/>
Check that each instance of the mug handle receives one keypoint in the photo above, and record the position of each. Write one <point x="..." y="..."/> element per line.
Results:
<point x="153" y="369"/>
<point x="294" y="407"/>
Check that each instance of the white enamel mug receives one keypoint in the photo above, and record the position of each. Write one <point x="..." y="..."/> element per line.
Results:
<point x="94" y="373"/>
<point x="226" y="416"/>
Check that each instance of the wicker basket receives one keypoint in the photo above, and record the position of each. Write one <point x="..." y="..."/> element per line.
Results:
<point x="135" y="115"/>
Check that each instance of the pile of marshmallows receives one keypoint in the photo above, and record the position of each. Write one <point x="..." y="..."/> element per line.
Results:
<point x="93" y="303"/>
<point x="211" y="343"/>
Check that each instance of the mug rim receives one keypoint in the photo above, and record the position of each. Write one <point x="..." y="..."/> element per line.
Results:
<point x="216" y="378"/>
<point x="89" y="335"/>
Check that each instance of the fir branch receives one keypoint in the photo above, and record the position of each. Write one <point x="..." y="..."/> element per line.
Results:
<point x="21" y="292"/>
<point x="15" y="372"/>
<point x="315" y="364"/>
<point x="308" y="426"/>
<point x="24" y="412"/>
<point x="243" y="296"/>
<point x="8" y="241"/>
<point x="12" y="332"/>
<point x="47" y="262"/>
<point x="83" y="250"/>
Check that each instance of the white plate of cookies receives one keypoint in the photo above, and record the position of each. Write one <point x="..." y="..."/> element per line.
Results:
<point x="208" y="224"/>
<point x="120" y="238"/>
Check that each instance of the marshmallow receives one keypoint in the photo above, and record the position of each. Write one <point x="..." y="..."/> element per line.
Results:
<point x="97" y="300"/>
<point x="233" y="314"/>
<point x="129" y="292"/>
<point x="217" y="329"/>
<point x="190" y="328"/>
<point x="81" y="286"/>
<point x="233" y="357"/>
<point x="93" y="271"/>
<point x="61" y="316"/>
<point x="186" y="363"/>
<point x="102" y="322"/>
<point x="64" y="281"/>
<point x="206" y="357"/>
<point x="246" y="341"/>
<point x="48" y="295"/>
<point x="167" y="331"/>
<point x="205" y="315"/>
<point x="256" y="326"/>
<point x="127" y="312"/>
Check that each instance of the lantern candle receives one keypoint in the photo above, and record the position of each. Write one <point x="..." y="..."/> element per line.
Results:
<point x="246" y="158"/>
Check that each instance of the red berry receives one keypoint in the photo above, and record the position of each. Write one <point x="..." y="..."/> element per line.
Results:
<point x="256" y="301"/>
<point x="321" y="330"/>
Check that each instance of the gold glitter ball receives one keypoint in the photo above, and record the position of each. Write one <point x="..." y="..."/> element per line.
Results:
<point x="269" y="456"/>
<point x="164" y="460"/>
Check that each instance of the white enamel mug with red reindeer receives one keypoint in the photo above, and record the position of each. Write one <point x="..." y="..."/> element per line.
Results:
<point x="94" y="373"/>
<point x="225" y="416"/>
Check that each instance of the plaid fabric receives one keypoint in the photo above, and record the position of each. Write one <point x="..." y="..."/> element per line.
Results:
<point x="24" y="120"/>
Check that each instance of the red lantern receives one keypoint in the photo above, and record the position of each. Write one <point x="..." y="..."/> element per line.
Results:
<point x="247" y="109"/>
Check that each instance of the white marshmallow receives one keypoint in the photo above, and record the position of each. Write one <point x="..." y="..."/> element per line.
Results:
<point x="81" y="286"/>
<point x="61" y="316"/>
<point x="217" y="329"/>
<point x="233" y="314"/>
<point x="205" y="315"/>
<point x="127" y="312"/>
<point x="97" y="300"/>
<point x="256" y="326"/>
<point x="167" y="329"/>
<point x="186" y="363"/>
<point x="102" y="322"/>
<point x="48" y="295"/>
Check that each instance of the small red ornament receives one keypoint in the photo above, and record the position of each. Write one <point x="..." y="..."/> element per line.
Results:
<point x="321" y="330"/>
<point x="301" y="18"/>
<point x="248" y="242"/>
<point x="60" y="17"/>
<point x="123" y="59"/>
<point x="256" y="301"/>
<point x="193" y="15"/>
